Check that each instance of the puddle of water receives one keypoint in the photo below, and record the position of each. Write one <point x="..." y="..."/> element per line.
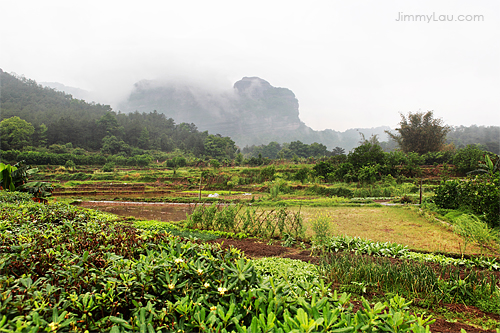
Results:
<point x="144" y="211"/>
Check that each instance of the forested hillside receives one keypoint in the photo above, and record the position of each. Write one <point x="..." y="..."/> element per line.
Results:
<point x="486" y="136"/>
<point x="39" y="118"/>
<point x="55" y="115"/>
<point x="38" y="123"/>
<point x="58" y="118"/>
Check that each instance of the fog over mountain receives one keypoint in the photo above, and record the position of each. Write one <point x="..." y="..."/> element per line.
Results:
<point x="252" y="112"/>
<point x="75" y="92"/>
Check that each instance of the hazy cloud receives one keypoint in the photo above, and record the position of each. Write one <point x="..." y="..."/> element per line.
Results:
<point x="350" y="64"/>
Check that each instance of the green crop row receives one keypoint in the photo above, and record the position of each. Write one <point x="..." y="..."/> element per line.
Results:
<point x="386" y="249"/>
<point x="178" y="230"/>
<point x="63" y="268"/>
<point x="412" y="279"/>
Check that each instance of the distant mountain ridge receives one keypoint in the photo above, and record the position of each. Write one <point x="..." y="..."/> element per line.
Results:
<point x="253" y="105"/>
<point x="75" y="92"/>
<point x="252" y="113"/>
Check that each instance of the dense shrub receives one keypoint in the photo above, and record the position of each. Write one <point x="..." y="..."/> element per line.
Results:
<point x="482" y="195"/>
<point x="108" y="167"/>
<point x="479" y="194"/>
<point x="369" y="173"/>
<point x="302" y="174"/>
<point x="467" y="159"/>
<point x="117" y="160"/>
<point x="267" y="173"/>
<point x="344" y="172"/>
<point x="438" y="157"/>
<point x="366" y="154"/>
<point x="332" y="191"/>
<point x="9" y="156"/>
<point x="447" y="194"/>
<point x="322" y="169"/>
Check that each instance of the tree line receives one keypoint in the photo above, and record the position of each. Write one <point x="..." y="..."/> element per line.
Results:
<point x="37" y="118"/>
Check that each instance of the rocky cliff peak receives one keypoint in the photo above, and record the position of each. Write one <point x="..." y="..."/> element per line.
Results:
<point x="252" y="86"/>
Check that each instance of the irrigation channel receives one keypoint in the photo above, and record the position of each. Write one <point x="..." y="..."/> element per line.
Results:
<point x="159" y="211"/>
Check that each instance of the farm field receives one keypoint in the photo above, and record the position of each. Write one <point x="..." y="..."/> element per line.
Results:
<point x="298" y="251"/>
<point x="398" y="224"/>
<point x="128" y="221"/>
<point x="380" y="224"/>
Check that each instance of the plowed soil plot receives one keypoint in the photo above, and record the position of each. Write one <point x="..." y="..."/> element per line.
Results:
<point x="441" y="325"/>
<point x="255" y="249"/>
<point x="258" y="249"/>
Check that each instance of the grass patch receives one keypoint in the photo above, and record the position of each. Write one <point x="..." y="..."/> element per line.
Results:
<point x="316" y="202"/>
<point x="221" y="192"/>
<point x="389" y="224"/>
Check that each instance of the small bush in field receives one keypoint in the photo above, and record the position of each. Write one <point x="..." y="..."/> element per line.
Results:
<point x="322" y="227"/>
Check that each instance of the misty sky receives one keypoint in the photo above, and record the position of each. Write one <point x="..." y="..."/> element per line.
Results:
<point x="350" y="63"/>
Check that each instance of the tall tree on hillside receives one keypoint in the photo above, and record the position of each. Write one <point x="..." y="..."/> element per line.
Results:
<point x="15" y="133"/>
<point x="317" y="149"/>
<point x="143" y="141"/>
<point x="219" y="147"/>
<point x="420" y="133"/>
<point x="40" y="136"/>
<point x="108" y="125"/>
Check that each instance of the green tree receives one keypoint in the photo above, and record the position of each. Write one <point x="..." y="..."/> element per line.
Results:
<point x="466" y="159"/>
<point x="143" y="141"/>
<point x="112" y="145"/>
<point x="317" y="149"/>
<point x="40" y="136"/>
<point x="271" y="150"/>
<point x="239" y="159"/>
<point x="176" y="162"/>
<point x="420" y="133"/>
<point x="219" y="147"/>
<point x="298" y="148"/>
<point x="108" y="125"/>
<point x="15" y="133"/>
<point x="366" y="154"/>
<point x="322" y="169"/>
<point x="338" y="151"/>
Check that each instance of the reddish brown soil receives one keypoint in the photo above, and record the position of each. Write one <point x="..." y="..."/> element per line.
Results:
<point x="258" y="249"/>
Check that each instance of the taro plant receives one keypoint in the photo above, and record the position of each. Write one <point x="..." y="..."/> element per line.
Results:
<point x="6" y="180"/>
<point x="15" y="177"/>
<point x="489" y="166"/>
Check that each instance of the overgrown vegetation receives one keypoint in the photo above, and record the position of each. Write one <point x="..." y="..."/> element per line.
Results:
<point x="274" y="223"/>
<point x="412" y="280"/>
<point x="64" y="268"/>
